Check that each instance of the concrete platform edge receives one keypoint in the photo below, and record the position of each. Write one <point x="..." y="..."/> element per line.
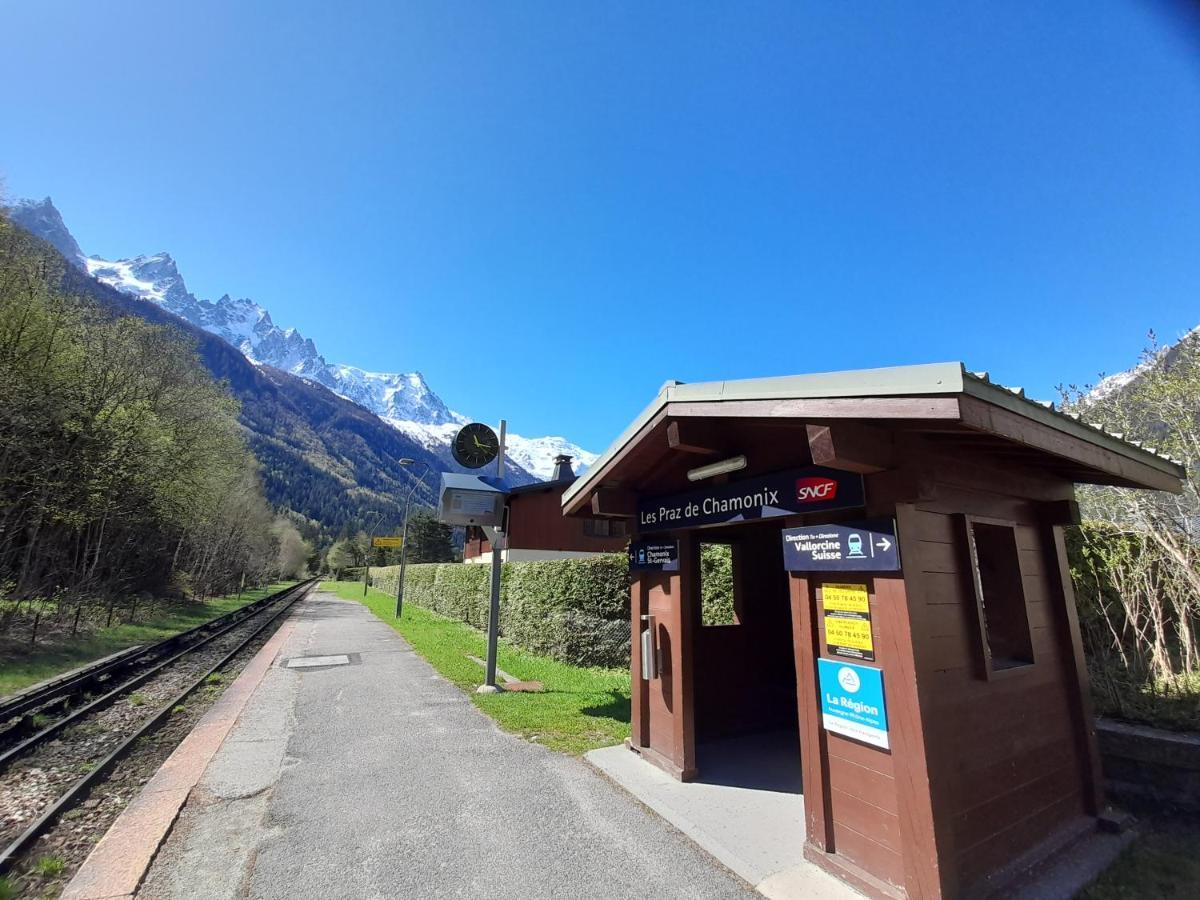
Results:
<point x="117" y="865"/>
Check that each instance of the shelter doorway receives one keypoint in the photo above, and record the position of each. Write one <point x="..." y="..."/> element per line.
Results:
<point x="746" y="721"/>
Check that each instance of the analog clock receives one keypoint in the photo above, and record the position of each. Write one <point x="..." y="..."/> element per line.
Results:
<point x="475" y="446"/>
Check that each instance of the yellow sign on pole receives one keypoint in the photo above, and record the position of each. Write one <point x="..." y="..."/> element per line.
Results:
<point x="394" y="541"/>
<point x="848" y="621"/>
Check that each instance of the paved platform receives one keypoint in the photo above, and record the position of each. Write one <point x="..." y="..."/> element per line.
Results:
<point x="746" y="809"/>
<point x="375" y="777"/>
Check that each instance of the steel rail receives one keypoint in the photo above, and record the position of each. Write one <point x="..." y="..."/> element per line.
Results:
<point x="84" y="784"/>
<point x="141" y="678"/>
<point x="70" y="683"/>
<point x="76" y="682"/>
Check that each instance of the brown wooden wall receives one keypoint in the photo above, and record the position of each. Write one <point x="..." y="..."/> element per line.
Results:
<point x="1008" y="756"/>
<point x="852" y="799"/>
<point x="476" y="543"/>
<point x="663" y="724"/>
<point x="536" y="522"/>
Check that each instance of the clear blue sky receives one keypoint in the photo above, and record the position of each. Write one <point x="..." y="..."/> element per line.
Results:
<point x="645" y="190"/>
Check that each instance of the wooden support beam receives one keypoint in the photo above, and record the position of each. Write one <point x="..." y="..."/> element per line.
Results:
<point x="686" y="437"/>
<point x="614" y="503"/>
<point x="1059" y="512"/>
<point x="851" y="447"/>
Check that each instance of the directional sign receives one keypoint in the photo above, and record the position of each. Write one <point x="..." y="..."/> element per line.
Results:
<point x="868" y="546"/>
<point x="396" y="541"/>
<point x="654" y="556"/>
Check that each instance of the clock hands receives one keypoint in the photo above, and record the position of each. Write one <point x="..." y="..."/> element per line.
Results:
<point x="475" y="445"/>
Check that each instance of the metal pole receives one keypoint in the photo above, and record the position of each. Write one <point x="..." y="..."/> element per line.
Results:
<point x="489" y="684"/>
<point x="403" y="557"/>
<point x="370" y="550"/>
<point x="404" y="541"/>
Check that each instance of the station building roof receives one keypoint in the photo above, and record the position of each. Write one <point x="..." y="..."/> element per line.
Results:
<point x="945" y="400"/>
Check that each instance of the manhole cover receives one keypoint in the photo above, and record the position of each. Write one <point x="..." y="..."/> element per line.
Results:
<point x="311" y="662"/>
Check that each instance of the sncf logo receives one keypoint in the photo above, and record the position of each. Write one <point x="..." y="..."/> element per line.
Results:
<point x="815" y="489"/>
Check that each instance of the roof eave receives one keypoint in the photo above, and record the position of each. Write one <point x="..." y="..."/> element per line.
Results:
<point x="916" y="381"/>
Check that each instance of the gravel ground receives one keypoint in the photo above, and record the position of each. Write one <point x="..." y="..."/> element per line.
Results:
<point x="32" y="783"/>
<point x="19" y="728"/>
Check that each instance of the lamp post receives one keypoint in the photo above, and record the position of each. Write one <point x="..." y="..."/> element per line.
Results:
<point x="370" y="550"/>
<point x="406" y="461"/>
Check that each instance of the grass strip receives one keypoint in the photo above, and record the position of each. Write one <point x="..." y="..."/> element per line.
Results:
<point x="580" y="709"/>
<point x="19" y="669"/>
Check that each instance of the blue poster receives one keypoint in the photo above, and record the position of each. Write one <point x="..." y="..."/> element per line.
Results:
<point x="852" y="701"/>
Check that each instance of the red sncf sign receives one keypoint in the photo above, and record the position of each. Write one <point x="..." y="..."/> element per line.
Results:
<point x="815" y="489"/>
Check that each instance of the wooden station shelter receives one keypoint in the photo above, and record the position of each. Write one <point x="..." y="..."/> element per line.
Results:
<point x="902" y="600"/>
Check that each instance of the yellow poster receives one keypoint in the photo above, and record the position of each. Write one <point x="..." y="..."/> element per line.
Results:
<point x="852" y="633"/>
<point x="848" y="621"/>
<point x="845" y="598"/>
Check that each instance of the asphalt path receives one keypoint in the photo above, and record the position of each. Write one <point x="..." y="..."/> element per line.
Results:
<point x="381" y="779"/>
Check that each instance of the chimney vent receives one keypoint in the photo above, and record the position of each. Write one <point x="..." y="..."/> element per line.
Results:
<point x="562" y="468"/>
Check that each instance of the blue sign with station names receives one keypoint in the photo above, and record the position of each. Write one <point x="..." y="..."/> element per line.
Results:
<point x="868" y="546"/>
<point x="654" y="556"/>
<point x="852" y="701"/>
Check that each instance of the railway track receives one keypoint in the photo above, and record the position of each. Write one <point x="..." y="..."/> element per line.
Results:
<point x="79" y="736"/>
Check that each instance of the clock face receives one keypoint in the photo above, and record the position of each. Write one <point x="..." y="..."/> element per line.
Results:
<point x="475" y="445"/>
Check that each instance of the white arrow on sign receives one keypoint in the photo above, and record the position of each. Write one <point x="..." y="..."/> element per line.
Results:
<point x="883" y="544"/>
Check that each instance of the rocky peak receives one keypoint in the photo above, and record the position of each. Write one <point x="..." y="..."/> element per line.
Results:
<point x="41" y="217"/>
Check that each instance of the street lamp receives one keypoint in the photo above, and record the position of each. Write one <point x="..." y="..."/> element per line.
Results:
<point x="406" y="461"/>
<point x="370" y="549"/>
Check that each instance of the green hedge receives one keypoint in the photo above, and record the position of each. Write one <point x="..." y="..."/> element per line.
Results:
<point x="716" y="584"/>
<point x="575" y="610"/>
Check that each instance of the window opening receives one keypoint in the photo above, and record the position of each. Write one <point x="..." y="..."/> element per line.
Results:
<point x="1000" y="595"/>
<point x="718" y="602"/>
<point x="603" y="528"/>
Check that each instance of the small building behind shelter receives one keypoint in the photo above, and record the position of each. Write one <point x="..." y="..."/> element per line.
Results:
<point x="536" y="529"/>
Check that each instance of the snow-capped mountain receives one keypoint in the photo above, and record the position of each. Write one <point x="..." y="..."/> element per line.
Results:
<point x="44" y="220"/>
<point x="403" y="400"/>
<point x="1163" y="356"/>
<point x="530" y="454"/>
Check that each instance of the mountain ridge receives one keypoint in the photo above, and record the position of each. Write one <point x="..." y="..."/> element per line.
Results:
<point x="330" y="465"/>
<point x="404" y="401"/>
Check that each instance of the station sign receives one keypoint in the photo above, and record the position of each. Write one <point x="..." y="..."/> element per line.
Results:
<point x="852" y="701"/>
<point x="809" y="490"/>
<point x="847" y="613"/>
<point x="387" y="541"/>
<point x="654" y="556"/>
<point x="868" y="546"/>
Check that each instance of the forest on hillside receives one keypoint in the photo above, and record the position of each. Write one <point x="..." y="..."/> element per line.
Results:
<point x="123" y="468"/>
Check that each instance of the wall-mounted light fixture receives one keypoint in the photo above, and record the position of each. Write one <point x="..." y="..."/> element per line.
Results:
<point x="733" y="464"/>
